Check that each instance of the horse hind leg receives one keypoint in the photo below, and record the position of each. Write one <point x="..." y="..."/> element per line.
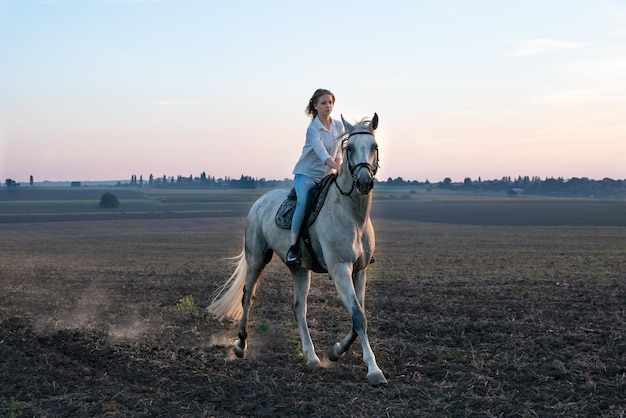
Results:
<point x="253" y="273"/>
<point x="240" y="346"/>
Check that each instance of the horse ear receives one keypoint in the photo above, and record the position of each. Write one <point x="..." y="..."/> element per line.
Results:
<point x="374" y="122"/>
<point x="346" y="124"/>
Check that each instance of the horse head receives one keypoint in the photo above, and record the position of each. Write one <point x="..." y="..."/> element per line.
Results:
<point x="361" y="154"/>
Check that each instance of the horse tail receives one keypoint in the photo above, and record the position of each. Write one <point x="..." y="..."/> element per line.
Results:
<point x="227" y="299"/>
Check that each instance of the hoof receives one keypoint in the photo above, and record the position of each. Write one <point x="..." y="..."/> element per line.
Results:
<point x="313" y="364"/>
<point x="239" y="348"/>
<point x="376" y="379"/>
<point x="332" y="352"/>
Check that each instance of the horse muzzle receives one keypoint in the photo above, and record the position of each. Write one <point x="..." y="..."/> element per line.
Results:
<point x="364" y="182"/>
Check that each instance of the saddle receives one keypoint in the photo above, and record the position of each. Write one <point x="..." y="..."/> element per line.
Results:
<point x="317" y="197"/>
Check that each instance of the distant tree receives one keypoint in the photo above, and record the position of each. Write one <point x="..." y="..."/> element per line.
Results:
<point x="445" y="184"/>
<point x="109" y="201"/>
<point x="11" y="183"/>
<point x="31" y="180"/>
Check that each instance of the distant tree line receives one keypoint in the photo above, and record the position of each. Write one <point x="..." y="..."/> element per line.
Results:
<point x="203" y="181"/>
<point x="574" y="187"/>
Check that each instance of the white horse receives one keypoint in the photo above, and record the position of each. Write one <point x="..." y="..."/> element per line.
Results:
<point x="342" y="238"/>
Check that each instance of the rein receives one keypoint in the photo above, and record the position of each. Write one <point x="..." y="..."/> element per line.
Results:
<point x="373" y="169"/>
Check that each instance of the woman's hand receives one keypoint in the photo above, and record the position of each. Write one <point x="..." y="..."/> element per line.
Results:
<point x="334" y="164"/>
<point x="339" y="166"/>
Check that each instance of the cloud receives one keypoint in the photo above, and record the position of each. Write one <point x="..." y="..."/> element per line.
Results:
<point x="565" y="97"/>
<point x="175" y="103"/>
<point x="529" y="47"/>
<point x="96" y="1"/>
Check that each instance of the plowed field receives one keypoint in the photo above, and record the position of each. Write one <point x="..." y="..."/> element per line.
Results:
<point x="473" y="309"/>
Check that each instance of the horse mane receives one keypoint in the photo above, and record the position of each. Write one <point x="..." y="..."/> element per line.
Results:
<point x="364" y="124"/>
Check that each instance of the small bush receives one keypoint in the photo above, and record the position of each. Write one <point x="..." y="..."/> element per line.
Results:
<point x="109" y="201"/>
<point x="186" y="304"/>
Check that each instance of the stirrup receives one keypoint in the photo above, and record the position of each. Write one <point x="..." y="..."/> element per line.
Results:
<point x="293" y="257"/>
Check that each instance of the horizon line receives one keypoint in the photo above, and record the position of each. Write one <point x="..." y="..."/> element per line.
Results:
<point x="479" y="178"/>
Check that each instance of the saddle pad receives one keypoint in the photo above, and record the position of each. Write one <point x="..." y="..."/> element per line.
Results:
<point x="285" y="213"/>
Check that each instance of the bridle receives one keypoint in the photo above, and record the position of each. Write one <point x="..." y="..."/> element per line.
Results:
<point x="354" y="169"/>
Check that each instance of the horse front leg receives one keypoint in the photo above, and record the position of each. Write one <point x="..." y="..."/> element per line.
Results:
<point x="301" y="285"/>
<point x="336" y="351"/>
<point x="352" y="294"/>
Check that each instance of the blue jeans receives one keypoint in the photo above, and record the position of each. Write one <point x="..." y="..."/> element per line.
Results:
<point x="302" y="183"/>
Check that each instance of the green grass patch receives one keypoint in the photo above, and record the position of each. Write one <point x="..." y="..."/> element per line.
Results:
<point x="295" y="346"/>
<point x="264" y="325"/>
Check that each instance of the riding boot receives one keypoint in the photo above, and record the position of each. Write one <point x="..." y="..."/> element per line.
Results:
<point x="293" y="257"/>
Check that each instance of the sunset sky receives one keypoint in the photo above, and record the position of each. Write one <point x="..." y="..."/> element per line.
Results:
<point x="106" y="89"/>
